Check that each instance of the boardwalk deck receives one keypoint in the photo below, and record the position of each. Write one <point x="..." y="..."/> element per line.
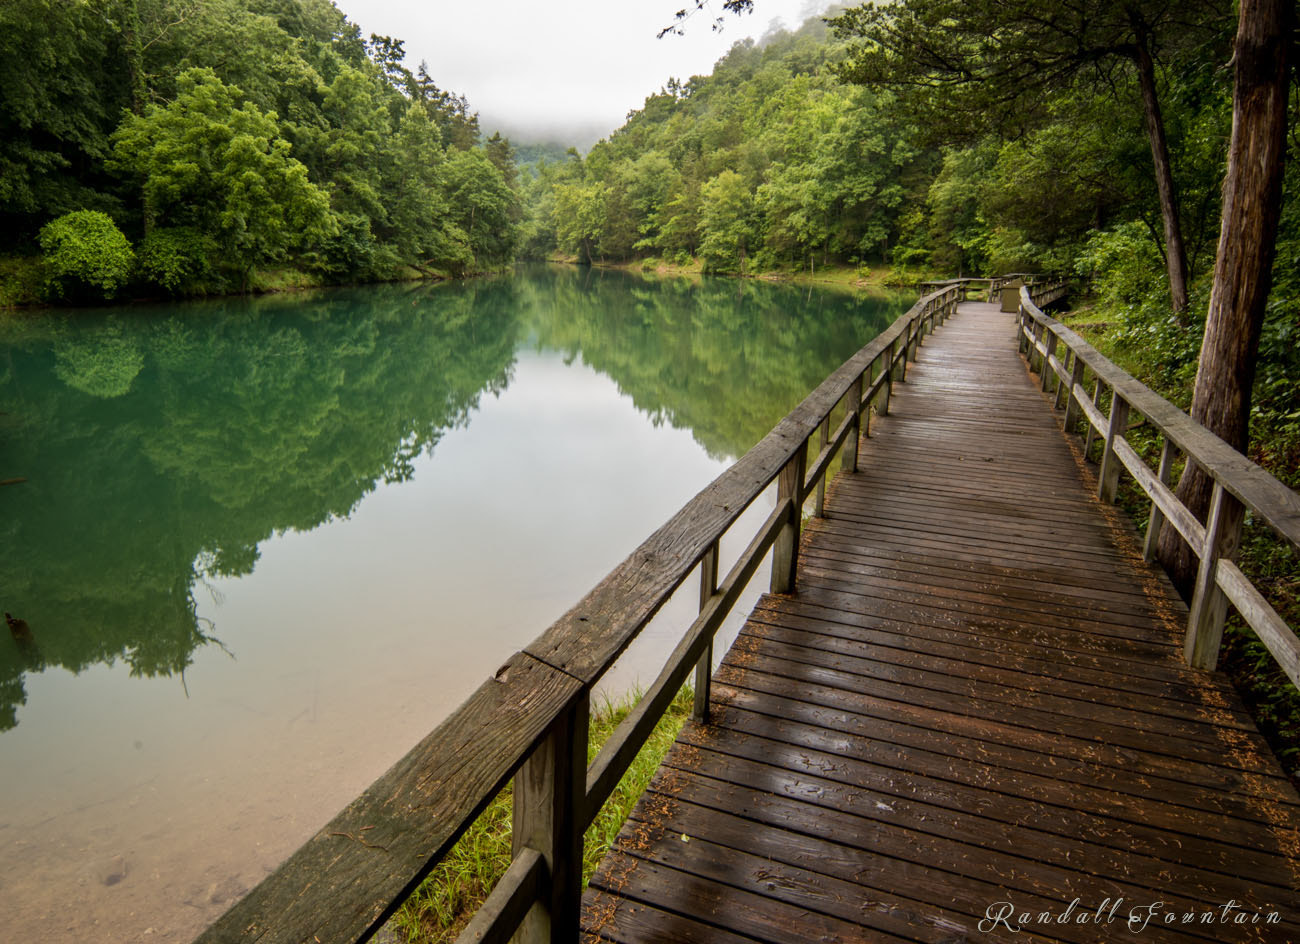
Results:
<point x="975" y="696"/>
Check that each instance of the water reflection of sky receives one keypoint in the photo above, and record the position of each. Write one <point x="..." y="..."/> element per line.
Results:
<point x="145" y="805"/>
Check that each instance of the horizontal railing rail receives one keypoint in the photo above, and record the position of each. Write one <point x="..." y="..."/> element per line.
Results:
<point x="529" y="721"/>
<point x="1239" y="484"/>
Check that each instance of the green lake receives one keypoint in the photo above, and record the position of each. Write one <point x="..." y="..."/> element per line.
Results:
<point x="265" y="545"/>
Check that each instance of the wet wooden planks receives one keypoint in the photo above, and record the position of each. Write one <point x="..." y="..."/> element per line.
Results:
<point x="975" y="696"/>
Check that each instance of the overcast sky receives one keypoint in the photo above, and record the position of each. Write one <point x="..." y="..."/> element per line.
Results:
<point x="566" y="70"/>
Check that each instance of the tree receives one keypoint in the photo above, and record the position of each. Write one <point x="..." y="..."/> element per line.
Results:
<point x="579" y="216"/>
<point x="726" y="224"/>
<point x="989" y="65"/>
<point x="1252" y="191"/>
<point x="211" y="161"/>
<point x="419" y="224"/>
<point x="86" y="252"/>
<point x="59" y="98"/>
<point x="481" y="204"/>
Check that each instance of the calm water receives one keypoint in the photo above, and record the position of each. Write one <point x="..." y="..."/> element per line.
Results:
<point x="265" y="545"/>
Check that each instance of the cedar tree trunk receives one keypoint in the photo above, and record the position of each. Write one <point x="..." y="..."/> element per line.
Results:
<point x="1252" y="195"/>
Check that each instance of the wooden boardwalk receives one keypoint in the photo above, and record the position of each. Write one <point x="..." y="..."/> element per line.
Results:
<point x="975" y="696"/>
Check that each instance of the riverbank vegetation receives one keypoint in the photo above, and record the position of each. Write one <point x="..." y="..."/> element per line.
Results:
<point x="170" y="148"/>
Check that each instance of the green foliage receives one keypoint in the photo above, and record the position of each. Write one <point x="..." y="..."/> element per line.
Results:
<point x="213" y="161"/>
<point x="271" y="129"/>
<point x="176" y="259"/>
<point x="1121" y="263"/>
<point x="481" y="205"/>
<point x="725" y="223"/>
<point x="21" y="281"/>
<point x="60" y="93"/>
<point x="578" y="212"/>
<point x="85" y="254"/>
<point x="770" y="161"/>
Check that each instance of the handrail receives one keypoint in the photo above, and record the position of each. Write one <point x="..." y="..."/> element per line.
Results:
<point x="1239" y="484"/>
<point x="529" y="721"/>
<point x="937" y="285"/>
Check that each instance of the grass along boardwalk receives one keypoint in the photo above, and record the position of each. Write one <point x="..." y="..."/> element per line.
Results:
<point x="972" y="719"/>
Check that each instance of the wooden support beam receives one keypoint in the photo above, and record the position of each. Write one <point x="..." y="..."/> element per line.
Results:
<point x="507" y="907"/>
<point x="1209" y="605"/>
<point x="889" y="379"/>
<point x="1157" y="520"/>
<point x="861" y="423"/>
<point x="1072" y="405"/>
<point x="785" y="552"/>
<point x="1045" y="365"/>
<point x="823" y="437"/>
<point x="1063" y="387"/>
<point x="550" y="789"/>
<point x="1097" y="392"/>
<point x="704" y="668"/>
<point x="1108" y="477"/>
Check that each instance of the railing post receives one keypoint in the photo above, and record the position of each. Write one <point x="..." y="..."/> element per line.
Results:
<point x="1209" y="605"/>
<point x="824" y="437"/>
<point x="1092" y="432"/>
<point x="849" y="457"/>
<point x="704" y="668"/>
<point x="1061" y="385"/>
<point x="549" y="791"/>
<point x="1071" y="401"/>
<point x="1022" y="340"/>
<point x="1157" y="520"/>
<point x="1049" y="344"/>
<point x="785" y="551"/>
<point x="1108" y="477"/>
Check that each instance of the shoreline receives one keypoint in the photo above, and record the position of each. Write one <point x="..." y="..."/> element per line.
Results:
<point x="17" y="289"/>
<point x="844" y="276"/>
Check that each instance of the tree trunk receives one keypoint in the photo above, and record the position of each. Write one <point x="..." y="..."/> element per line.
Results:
<point x="1252" y="197"/>
<point x="1175" y="253"/>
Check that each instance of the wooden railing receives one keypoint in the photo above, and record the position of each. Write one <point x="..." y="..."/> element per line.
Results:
<point x="529" y="721"/>
<point x="1239" y="484"/>
<point x="964" y="284"/>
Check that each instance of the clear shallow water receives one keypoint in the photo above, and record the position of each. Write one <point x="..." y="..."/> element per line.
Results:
<point x="265" y="545"/>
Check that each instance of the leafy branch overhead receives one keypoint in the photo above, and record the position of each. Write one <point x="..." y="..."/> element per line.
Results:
<point x="677" y="27"/>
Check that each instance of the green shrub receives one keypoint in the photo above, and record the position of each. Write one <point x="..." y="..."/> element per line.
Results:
<point x="20" y="281"/>
<point x="176" y="259"/>
<point x="1123" y="263"/>
<point x="85" y="254"/>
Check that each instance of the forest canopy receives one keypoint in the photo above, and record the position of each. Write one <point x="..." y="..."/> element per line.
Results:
<point x="224" y="136"/>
